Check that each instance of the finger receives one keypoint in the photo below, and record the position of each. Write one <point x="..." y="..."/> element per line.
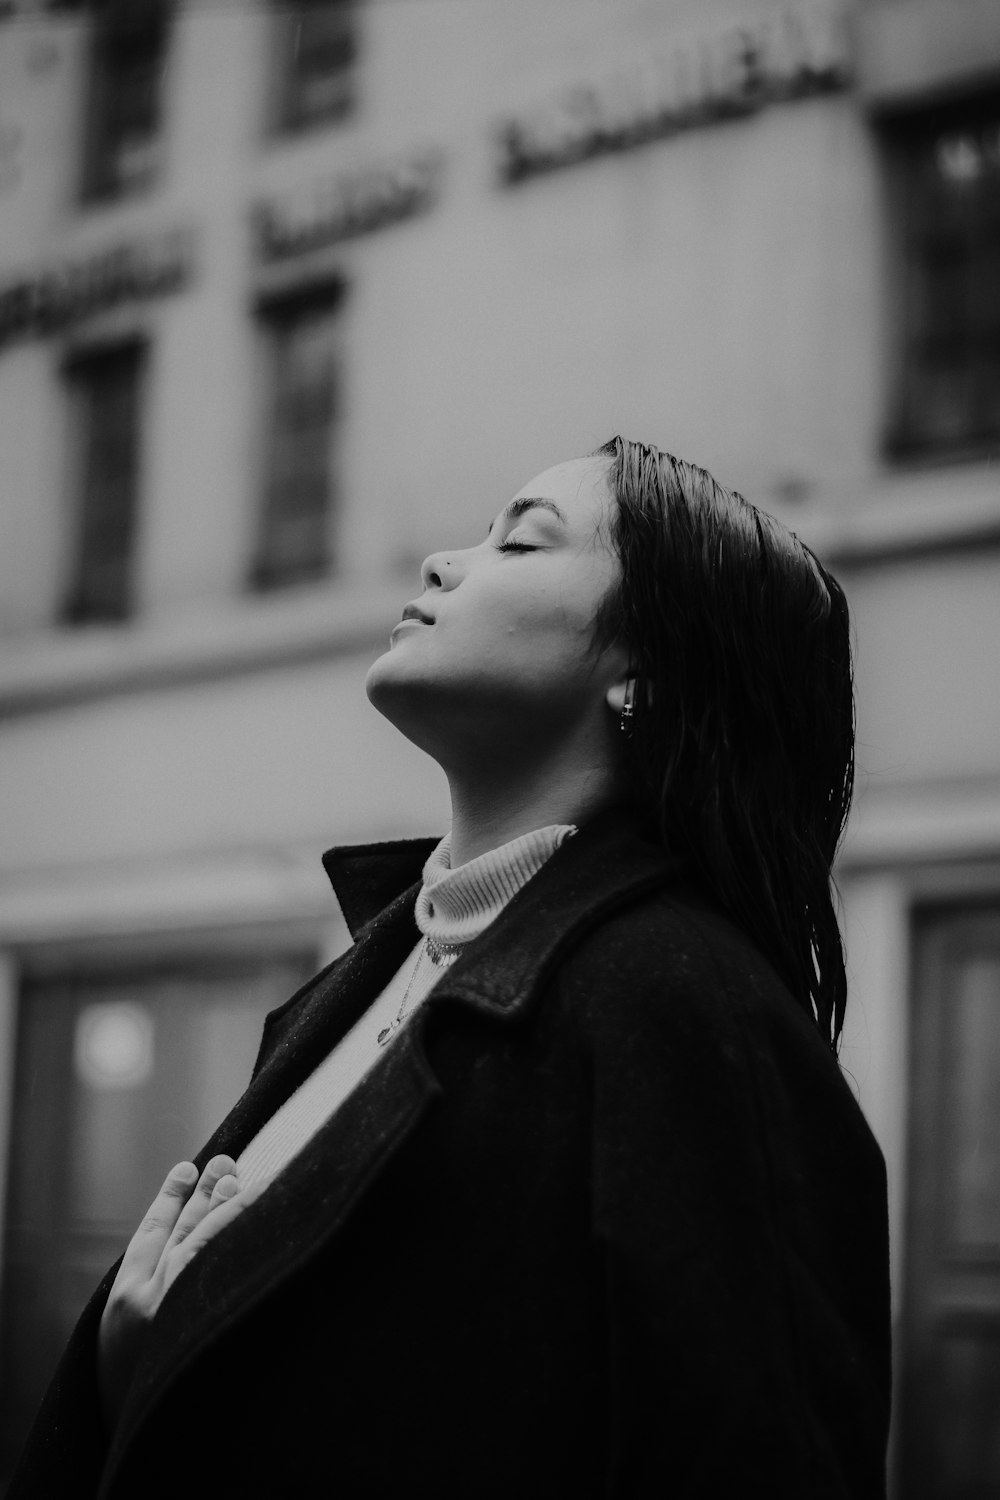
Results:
<point x="227" y="1187"/>
<point x="148" y="1243"/>
<point x="200" y="1200"/>
<point x="227" y="1207"/>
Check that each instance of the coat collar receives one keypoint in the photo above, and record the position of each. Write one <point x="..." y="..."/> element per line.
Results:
<point x="608" y="864"/>
<point x="367" y="877"/>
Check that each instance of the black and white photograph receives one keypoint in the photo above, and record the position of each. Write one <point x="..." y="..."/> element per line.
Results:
<point x="499" y="749"/>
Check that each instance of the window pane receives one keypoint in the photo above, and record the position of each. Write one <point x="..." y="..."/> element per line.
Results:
<point x="948" y="1365"/>
<point x="320" y="52"/>
<point x="950" y="383"/>
<point x="127" y="56"/>
<point x="106" y="389"/>
<point x="294" y="542"/>
<point x="973" y="1106"/>
<point x="969" y="1375"/>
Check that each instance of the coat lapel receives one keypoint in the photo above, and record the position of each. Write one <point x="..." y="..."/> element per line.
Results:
<point x="300" y="1033"/>
<point x="376" y="887"/>
<point x="368" y="877"/>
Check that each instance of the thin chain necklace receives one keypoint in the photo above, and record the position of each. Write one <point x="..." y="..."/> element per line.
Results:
<point x="441" y="956"/>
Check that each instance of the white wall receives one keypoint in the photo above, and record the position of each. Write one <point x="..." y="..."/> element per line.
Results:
<point x="927" y="650"/>
<point x="270" y="757"/>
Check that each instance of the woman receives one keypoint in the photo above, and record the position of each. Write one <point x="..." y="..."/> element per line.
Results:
<point x="551" y="1185"/>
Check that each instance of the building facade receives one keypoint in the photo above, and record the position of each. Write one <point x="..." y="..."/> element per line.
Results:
<point x="291" y="295"/>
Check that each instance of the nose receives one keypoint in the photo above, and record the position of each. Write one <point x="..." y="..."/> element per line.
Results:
<point x="440" y="571"/>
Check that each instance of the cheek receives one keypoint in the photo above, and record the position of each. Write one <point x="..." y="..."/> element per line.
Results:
<point x="545" y="653"/>
<point x="557" y="625"/>
<point x="550" y="613"/>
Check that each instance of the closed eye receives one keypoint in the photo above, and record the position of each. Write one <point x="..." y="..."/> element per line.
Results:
<point x="510" y="546"/>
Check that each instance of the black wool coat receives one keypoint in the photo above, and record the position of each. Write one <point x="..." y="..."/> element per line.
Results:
<point x="604" y="1221"/>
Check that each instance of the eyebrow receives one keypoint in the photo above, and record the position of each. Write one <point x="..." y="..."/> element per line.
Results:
<point x="528" y="502"/>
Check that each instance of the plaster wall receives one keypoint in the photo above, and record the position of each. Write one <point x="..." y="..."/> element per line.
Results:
<point x="270" y="757"/>
<point x="928" y="706"/>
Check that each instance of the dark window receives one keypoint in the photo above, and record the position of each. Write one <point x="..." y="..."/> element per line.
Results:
<point x="294" y="542"/>
<point x="128" y="49"/>
<point x="948" y="389"/>
<point x="318" y="48"/>
<point x="106" y="389"/>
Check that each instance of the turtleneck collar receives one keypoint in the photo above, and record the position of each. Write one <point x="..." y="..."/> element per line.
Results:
<point x="456" y="905"/>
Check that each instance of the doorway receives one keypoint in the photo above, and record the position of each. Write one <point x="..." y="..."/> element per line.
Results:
<point x="949" y="1378"/>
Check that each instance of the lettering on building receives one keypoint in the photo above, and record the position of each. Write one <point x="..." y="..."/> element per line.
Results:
<point x="787" y="52"/>
<point x="352" y="204"/>
<point x="57" y="296"/>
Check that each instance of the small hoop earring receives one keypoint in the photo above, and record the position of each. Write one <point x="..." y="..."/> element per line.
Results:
<point x="628" y="707"/>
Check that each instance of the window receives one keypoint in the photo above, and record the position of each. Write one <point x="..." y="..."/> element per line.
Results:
<point x="294" y="541"/>
<point x="318" y="49"/>
<point x="106" y="390"/>
<point x="948" y="390"/>
<point x="128" y="48"/>
<point x="948" y="1373"/>
<point x="118" y="1074"/>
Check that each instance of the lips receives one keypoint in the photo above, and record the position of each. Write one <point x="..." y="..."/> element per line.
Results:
<point x="412" y="615"/>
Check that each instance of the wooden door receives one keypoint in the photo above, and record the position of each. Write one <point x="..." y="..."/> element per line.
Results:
<point x="949" y="1381"/>
<point x="117" y="1076"/>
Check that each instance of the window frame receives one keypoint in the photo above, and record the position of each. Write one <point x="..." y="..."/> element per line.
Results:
<point x="278" y="315"/>
<point x="906" y="137"/>
<point x="948" y="1296"/>
<point x="103" y="178"/>
<point x="80" y="604"/>
<point x="292" y="112"/>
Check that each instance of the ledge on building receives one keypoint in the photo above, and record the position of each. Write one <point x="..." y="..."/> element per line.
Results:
<point x="943" y="822"/>
<point x="902" y="515"/>
<point x="913" y="51"/>
<point x="196" y="642"/>
<point x="252" y="891"/>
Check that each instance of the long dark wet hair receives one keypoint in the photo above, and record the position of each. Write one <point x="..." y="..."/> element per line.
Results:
<point x="742" y="742"/>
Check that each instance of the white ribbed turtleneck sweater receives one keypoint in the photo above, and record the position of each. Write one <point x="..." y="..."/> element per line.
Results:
<point x="453" y="907"/>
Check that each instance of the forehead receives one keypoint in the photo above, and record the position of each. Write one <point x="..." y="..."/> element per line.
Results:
<point x="579" y="487"/>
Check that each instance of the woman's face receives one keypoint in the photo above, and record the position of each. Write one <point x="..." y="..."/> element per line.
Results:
<point x="498" y="648"/>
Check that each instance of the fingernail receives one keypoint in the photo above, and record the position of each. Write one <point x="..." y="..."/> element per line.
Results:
<point x="220" y="1165"/>
<point x="227" y="1187"/>
<point x="186" y="1171"/>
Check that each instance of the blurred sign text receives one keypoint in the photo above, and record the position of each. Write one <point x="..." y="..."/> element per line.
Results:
<point x="352" y="204"/>
<point x="786" y="52"/>
<point x="54" y="297"/>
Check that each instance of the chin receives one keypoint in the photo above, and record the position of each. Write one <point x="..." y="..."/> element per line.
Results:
<point x="393" y="690"/>
<point x="420" y="708"/>
<point x="379" y="678"/>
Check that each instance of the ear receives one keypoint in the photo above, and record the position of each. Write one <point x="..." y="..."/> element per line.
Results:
<point x="622" y="688"/>
<point x="623" y="691"/>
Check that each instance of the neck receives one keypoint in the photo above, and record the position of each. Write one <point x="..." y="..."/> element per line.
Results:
<point x="490" y="810"/>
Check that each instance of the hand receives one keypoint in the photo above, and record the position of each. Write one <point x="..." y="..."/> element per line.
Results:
<point x="187" y="1212"/>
